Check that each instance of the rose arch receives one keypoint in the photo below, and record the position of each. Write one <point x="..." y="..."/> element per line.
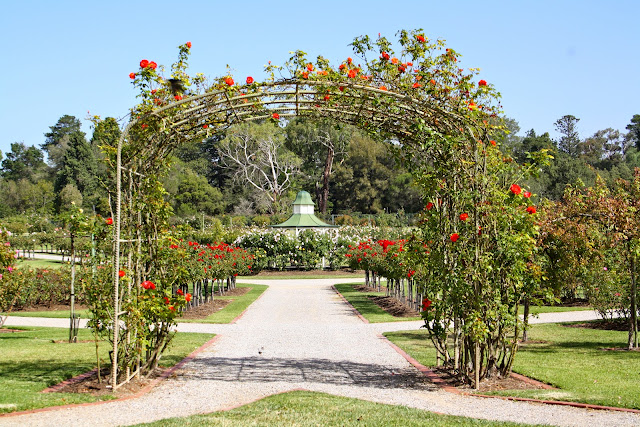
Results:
<point x="434" y="112"/>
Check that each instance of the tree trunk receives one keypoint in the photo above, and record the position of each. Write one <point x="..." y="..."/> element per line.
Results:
<point x="527" y="303"/>
<point x="633" y="326"/>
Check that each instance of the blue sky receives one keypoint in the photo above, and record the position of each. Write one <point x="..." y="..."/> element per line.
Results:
<point x="547" y="58"/>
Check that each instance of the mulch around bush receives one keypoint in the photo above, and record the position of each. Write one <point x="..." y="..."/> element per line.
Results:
<point x="203" y="311"/>
<point x="387" y="303"/>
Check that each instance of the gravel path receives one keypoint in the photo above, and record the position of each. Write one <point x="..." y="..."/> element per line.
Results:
<point x="301" y="335"/>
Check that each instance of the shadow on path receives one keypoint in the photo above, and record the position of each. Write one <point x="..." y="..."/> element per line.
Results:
<point x="323" y="371"/>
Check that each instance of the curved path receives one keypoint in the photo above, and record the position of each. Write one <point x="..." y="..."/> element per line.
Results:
<point x="301" y="335"/>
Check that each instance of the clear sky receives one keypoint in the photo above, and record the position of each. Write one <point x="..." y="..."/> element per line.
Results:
<point x="547" y="58"/>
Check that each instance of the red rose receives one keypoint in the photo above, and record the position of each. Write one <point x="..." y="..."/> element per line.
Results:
<point x="180" y="292"/>
<point x="109" y="221"/>
<point x="121" y="273"/>
<point x="433" y="82"/>
<point x="493" y="142"/>
<point x="402" y="68"/>
<point x="416" y="85"/>
<point x="229" y="81"/>
<point x="482" y="83"/>
<point x="426" y="303"/>
<point x="349" y="60"/>
<point x="531" y="209"/>
<point x="249" y="80"/>
<point x="526" y="194"/>
<point x="421" y="39"/>
<point x="515" y="189"/>
<point x="353" y="72"/>
<point x="144" y="126"/>
<point x="144" y="63"/>
<point x="385" y="56"/>
<point x="305" y="75"/>
<point x="341" y="88"/>
<point x="205" y="126"/>
<point x="132" y="75"/>
<point x="153" y="91"/>
<point x="464" y="216"/>
<point x="383" y="88"/>
<point x="310" y="66"/>
<point x="326" y="97"/>
<point x="394" y="60"/>
<point x="189" y="45"/>
<point x="187" y="297"/>
<point x="172" y="308"/>
<point x="454" y="237"/>
<point x="178" y="97"/>
<point x="147" y="284"/>
<point x="276" y="116"/>
<point x="341" y="67"/>
<point x="152" y="65"/>
<point x="429" y="206"/>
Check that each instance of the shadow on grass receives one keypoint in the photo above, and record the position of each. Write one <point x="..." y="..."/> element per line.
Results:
<point x="46" y="372"/>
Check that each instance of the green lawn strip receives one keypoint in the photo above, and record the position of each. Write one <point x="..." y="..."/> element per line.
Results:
<point x="535" y="309"/>
<point x="367" y="308"/>
<point x="31" y="361"/>
<point x="235" y="308"/>
<point x="306" y="408"/>
<point x="226" y="315"/>
<point x="58" y="314"/>
<point x="570" y="359"/>
<point x="40" y="263"/>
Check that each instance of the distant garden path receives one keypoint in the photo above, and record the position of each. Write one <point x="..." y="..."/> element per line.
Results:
<point x="301" y="335"/>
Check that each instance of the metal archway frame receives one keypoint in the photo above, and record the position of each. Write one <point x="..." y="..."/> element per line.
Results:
<point x="202" y="116"/>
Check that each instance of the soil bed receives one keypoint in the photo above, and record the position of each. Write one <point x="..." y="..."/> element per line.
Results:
<point x="488" y="384"/>
<point x="90" y="384"/>
<point x="387" y="303"/>
<point x="205" y="310"/>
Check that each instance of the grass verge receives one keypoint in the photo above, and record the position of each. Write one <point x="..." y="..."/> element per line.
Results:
<point x="225" y="315"/>
<point x="40" y="263"/>
<point x="368" y="309"/>
<point x="306" y="408"/>
<point x="571" y="359"/>
<point x="235" y="308"/>
<point x="32" y="360"/>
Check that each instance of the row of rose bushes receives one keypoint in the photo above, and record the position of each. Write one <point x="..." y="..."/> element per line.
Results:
<point x="183" y="264"/>
<point x="279" y="249"/>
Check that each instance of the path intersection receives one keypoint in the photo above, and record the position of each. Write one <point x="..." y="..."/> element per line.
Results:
<point x="301" y="335"/>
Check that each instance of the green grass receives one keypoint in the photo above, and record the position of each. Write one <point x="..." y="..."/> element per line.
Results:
<point x="535" y="309"/>
<point x="40" y="263"/>
<point x="31" y="361"/>
<point x="57" y="314"/>
<point x="306" y="408"/>
<point x="570" y="359"/>
<point x="235" y="308"/>
<point x="369" y="310"/>
<point x="226" y="315"/>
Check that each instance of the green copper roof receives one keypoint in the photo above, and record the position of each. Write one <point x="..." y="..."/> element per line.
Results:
<point x="303" y="198"/>
<point x="303" y="220"/>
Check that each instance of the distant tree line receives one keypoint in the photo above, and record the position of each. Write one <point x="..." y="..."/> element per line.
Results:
<point x="256" y="169"/>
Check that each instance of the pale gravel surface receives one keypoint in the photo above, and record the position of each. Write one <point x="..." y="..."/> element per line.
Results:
<point x="301" y="335"/>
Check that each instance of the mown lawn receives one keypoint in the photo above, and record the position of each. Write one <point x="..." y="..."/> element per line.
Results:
<point x="306" y="408"/>
<point x="226" y="315"/>
<point x="37" y="358"/>
<point x="571" y="359"/>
